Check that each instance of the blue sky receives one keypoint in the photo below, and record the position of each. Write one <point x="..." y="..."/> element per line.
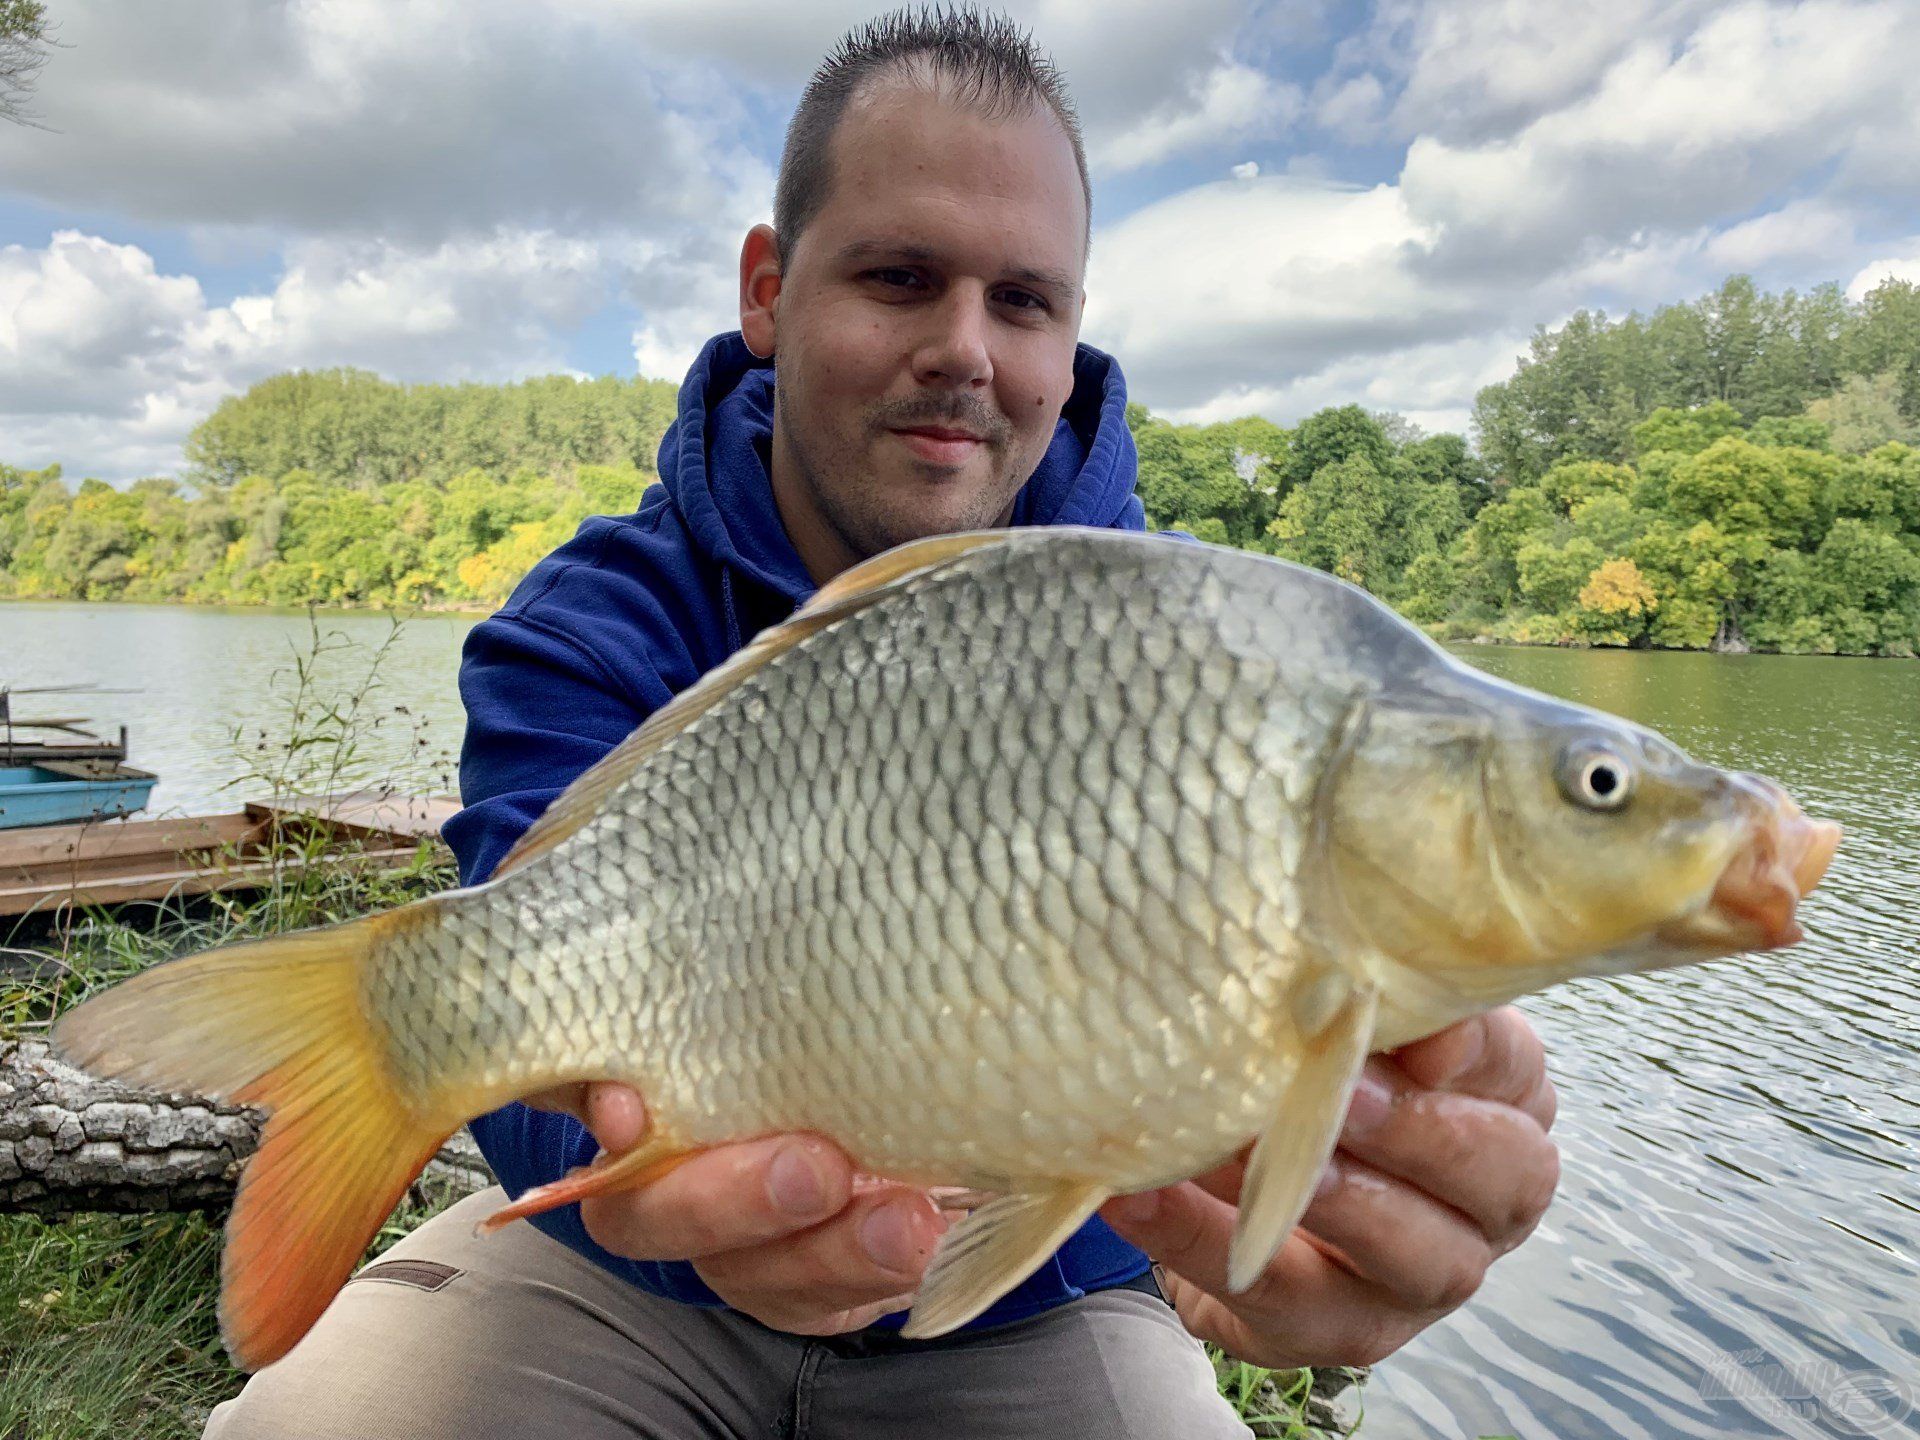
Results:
<point x="1296" y="203"/>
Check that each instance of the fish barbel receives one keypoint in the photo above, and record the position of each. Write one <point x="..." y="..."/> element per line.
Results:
<point x="1052" y="863"/>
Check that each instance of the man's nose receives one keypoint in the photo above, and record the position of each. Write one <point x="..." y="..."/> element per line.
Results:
<point x="954" y="350"/>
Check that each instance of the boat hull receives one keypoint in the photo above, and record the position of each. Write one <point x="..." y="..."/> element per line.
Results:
<point x="65" y="792"/>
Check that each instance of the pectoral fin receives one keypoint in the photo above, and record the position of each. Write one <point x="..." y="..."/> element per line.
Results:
<point x="629" y="1170"/>
<point x="1288" y="1158"/>
<point x="993" y="1250"/>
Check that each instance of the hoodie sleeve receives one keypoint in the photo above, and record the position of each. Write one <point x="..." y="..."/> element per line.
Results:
<point x="542" y="706"/>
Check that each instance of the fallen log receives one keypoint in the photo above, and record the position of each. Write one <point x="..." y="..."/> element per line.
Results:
<point x="71" y="1142"/>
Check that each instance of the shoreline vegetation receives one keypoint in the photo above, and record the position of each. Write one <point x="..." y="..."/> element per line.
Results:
<point x="1735" y="473"/>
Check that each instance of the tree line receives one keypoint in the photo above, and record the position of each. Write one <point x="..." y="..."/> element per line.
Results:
<point x="1736" y="472"/>
<point x="339" y="488"/>
<point x="1739" y="471"/>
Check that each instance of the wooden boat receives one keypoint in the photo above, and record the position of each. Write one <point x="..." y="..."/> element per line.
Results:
<point x="23" y="742"/>
<point x="57" y="737"/>
<point x="55" y="792"/>
<point x="115" y="861"/>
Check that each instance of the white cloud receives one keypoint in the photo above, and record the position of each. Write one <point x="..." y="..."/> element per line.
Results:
<point x="413" y="121"/>
<point x="1809" y="231"/>
<point x="91" y="328"/>
<point x="1757" y="98"/>
<point x="1476" y="70"/>
<point x="1352" y="108"/>
<point x="447" y="190"/>
<point x="1874" y="272"/>
<point x="1230" y="102"/>
<point x="1432" y="385"/>
<point x="1272" y="277"/>
<point x="103" y="355"/>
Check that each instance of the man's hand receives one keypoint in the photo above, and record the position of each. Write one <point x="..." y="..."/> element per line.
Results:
<point x="1443" y="1167"/>
<point x="781" y="1228"/>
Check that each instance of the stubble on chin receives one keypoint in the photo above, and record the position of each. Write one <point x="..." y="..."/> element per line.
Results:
<point x="858" y="509"/>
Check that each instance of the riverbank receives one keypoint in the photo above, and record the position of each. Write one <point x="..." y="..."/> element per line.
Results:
<point x="1519" y="631"/>
<point x="449" y="608"/>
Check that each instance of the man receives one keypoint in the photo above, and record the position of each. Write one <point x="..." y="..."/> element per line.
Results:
<point x="907" y="364"/>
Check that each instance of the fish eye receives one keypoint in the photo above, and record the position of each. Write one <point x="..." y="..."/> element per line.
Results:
<point x="1595" y="778"/>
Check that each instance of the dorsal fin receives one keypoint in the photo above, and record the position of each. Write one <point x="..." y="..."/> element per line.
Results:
<point x="846" y="594"/>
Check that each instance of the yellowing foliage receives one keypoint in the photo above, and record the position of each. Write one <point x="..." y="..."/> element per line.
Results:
<point x="1617" y="587"/>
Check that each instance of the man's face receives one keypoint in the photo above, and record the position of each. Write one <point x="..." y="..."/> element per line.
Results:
<point x="927" y="321"/>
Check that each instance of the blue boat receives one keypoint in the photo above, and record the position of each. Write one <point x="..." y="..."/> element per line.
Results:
<point x="61" y="792"/>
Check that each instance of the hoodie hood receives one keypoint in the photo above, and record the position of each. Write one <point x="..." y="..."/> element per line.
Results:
<point x="715" y="456"/>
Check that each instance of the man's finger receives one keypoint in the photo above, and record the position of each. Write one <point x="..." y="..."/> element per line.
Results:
<point x="724" y="1199"/>
<point x="1489" y="1160"/>
<point x="874" y="1250"/>
<point x="1427" y="1255"/>
<point x="616" y="1115"/>
<point x="1496" y="1056"/>
<point x="1331" y="1315"/>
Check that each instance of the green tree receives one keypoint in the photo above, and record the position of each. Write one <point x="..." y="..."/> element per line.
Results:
<point x="1686" y="432"/>
<point x="1337" y="521"/>
<point x="1334" y="436"/>
<point x="1552" y="576"/>
<point x="1865" y="413"/>
<point x="1884" y="339"/>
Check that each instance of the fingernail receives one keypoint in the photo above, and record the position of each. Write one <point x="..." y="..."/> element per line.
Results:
<point x="794" y="1185"/>
<point x="887" y="1237"/>
<point x="1367" y="1110"/>
<point x="1137" y="1209"/>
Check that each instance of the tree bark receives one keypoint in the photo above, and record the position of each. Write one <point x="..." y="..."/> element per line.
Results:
<point x="71" y="1142"/>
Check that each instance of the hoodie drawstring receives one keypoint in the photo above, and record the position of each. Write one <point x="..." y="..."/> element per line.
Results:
<point x="726" y="604"/>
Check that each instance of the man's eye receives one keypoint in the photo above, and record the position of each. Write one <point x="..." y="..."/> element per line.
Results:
<point x="893" y="277"/>
<point x="1024" y="300"/>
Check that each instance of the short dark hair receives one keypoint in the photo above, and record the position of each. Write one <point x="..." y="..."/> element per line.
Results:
<point x="984" y="59"/>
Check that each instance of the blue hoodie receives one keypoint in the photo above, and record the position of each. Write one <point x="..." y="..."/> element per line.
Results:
<point x="636" y="608"/>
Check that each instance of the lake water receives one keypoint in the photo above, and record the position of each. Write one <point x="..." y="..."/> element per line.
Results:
<point x="1735" y="1246"/>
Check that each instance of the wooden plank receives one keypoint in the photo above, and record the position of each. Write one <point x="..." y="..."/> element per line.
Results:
<point x="188" y="880"/>
<point x="109" y="862"/>
<point x="398" y="814"/>
<point x="105" y="839"/>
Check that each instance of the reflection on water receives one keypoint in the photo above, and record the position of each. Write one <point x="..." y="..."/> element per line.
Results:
<point x="1735" y="1248"/>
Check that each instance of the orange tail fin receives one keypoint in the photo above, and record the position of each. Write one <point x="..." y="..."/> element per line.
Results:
<point x="276" y="1023"/>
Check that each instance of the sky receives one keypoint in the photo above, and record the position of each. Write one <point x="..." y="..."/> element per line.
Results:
<point x="1296" y="204"/>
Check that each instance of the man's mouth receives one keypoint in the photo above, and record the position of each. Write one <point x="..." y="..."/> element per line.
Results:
<point x="941" y="445"/>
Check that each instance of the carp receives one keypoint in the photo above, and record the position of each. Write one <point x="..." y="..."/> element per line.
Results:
<point x="1052" y="864"/>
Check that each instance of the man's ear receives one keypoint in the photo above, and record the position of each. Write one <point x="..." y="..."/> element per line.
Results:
<point x="759" y="289"/>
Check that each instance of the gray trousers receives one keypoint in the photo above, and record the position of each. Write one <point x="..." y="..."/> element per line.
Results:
<point x="517" y="1336"/>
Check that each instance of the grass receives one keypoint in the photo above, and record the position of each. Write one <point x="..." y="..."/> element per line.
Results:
<point x="107" y="1325"/>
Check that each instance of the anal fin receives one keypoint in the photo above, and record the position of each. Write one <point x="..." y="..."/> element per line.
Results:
<point x="645" y="1163"/>
<point x="994" y="1249"/>
<point x="1287" y="1159"/>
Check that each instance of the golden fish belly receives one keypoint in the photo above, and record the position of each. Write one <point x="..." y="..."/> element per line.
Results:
<point x="998" y="887"/>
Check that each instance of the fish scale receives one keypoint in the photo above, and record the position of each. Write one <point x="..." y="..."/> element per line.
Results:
<point x="900" y="711"/>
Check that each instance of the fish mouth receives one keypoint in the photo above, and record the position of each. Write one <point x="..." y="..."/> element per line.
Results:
<point x="1753" y="903"/>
